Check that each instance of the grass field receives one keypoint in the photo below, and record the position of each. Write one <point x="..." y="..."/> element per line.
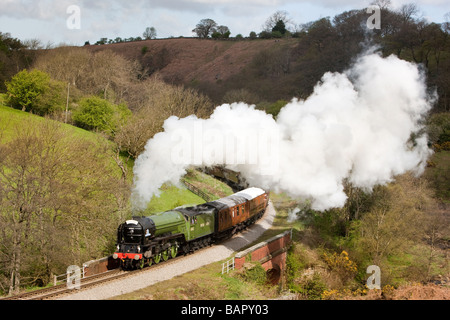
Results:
<point x="170" y="198"/>
<point x="11" y="121"/>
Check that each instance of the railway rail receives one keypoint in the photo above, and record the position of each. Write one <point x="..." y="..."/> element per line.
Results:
<point x="54" y="291"/>
<point x="90" y="282"/>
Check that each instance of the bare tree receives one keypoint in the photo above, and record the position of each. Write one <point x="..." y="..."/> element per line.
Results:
<point x="383" y="4"/>
<point x="103" y="72"/>
<point x="205" y="28"/>
<point x="56" y="201"/>
<point x="408" y="11"/>
<point x="395" y="219"/>
<point x="446" y="24"/>
<point x="276" y="18"/>
<point x="149" y="33"/>
<point x="161" y="102"/>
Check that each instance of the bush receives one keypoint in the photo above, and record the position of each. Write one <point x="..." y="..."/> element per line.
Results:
<point x="255" y="274"/>
<point x="98" y="114"/>
<point x="340" y="262"/>
<point x="273" y="108"/>
<point x="341" y="265"/>
<point x="293" y="267"/>
<point x="438" y="128"/>
<point x="314" y="288"/>
<point x="35" y="92"/>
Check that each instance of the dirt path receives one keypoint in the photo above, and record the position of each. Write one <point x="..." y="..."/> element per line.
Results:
<point x="179" y="267"/>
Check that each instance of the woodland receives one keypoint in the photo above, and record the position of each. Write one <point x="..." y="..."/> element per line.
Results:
<point x="74" y="119"/>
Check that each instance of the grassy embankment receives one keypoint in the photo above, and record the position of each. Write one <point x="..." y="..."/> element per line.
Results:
<point x="12" y="120"/>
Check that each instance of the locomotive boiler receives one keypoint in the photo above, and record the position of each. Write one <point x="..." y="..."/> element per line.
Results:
<point x="143" y="241"/>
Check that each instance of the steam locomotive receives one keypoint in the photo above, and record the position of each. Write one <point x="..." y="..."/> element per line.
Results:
<point x="146" y="240"/>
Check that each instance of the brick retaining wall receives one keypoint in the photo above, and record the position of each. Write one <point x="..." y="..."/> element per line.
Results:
<point x="270" y="253"/>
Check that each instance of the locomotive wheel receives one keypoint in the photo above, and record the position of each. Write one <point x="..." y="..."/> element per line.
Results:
<point x="173" y="251"/>
<point x="186" y="249"/>
<point x="165" y="255"/>
<point x="142" y="264"/>
<point x="157" y="258"/>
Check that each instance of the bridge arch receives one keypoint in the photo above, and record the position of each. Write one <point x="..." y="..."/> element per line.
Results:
<point x="270" y="253"/>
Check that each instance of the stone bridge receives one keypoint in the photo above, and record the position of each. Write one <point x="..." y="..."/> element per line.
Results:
<point x="270" y="253"/>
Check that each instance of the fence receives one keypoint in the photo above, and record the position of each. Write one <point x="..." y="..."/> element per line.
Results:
<point x="197" y="191"/>
<point x="62" y="278"/>
<point x="228" y="266"/>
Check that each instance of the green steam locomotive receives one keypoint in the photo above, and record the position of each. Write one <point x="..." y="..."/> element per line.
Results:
<point x="146" y="240"/>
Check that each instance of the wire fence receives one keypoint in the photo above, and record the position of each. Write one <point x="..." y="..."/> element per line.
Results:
<point x="197" y="191"/>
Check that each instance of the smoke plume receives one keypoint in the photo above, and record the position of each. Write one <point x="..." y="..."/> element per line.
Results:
<point x="356" y="125"/>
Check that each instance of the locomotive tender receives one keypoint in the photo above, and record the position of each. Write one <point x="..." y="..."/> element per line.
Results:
<point x="146" y="240"/>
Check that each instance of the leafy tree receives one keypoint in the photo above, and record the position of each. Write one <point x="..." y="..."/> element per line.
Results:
<point x="98" y="114"/>
<point x="205" y="28"/>
<point x="265" y="35"/>
<point x="35" y="91"/>
<point x="13" y="57"/>
<point x="280" y="27"/>
<point x="223" y="32"/>
<point x="102" y="41"/>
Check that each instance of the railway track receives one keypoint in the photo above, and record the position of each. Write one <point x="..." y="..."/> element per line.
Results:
<point x="90" y="282"/>
<point x="96" y="280"/>
<point x="51" y="292"/>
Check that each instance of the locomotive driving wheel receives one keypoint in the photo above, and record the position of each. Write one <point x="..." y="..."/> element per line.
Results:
<point x="173" y="251"/>
<point x="157" y="258"/>
<point x="165" y="255"/>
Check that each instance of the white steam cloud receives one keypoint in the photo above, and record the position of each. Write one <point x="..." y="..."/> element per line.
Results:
<point x="356" y="125"/>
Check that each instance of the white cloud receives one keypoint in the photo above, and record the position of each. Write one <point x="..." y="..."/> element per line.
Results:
<point x="110" y="18"/>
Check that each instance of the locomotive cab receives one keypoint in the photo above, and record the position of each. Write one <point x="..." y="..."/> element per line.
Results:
<point x="133" y="236"/>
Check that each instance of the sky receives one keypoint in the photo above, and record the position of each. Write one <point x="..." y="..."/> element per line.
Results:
<point x="74" y="22"/>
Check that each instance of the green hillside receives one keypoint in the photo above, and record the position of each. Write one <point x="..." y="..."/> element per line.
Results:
<point x="62" y="196"/>
<point x="11" y="120"/>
